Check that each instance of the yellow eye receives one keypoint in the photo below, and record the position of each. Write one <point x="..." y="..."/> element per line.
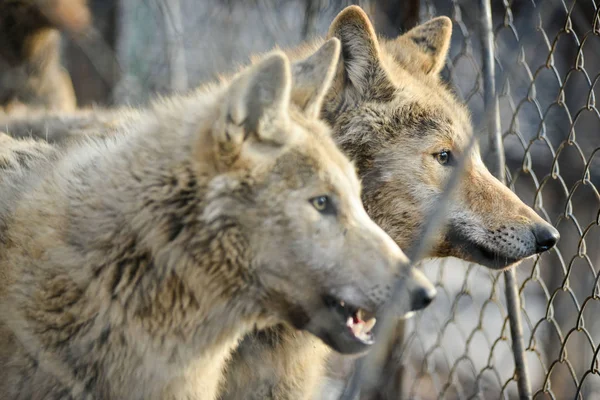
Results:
<point x="320" y="203"/>
<point x="324" y="205"/>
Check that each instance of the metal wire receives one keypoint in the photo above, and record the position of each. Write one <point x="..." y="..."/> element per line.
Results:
<point x="497" y="166"/>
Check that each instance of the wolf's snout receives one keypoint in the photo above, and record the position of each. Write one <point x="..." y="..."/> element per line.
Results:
<point x="422" y="291"/>
<point x="546" y="237"/>
<point x="422" y="297"/>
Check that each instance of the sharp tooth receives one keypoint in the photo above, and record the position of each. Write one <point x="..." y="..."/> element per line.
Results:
<point x="369" y="325"/>
<point x="342" y="304"/>
<point x="408" y="315"/>
<point x="349" y="322"/>
<point x="358" y="329"/>
<point x="359" y="314"/>
<point x="364" y="336"/>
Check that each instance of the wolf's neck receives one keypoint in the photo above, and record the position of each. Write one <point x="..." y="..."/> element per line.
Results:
<point x="157" y="281"/>
<point x="148" y="316"/>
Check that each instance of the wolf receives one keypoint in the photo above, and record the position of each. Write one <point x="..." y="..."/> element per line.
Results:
<point x="31" y="73"/>
<point x="392" y="114"/>
<point x="138" y="260"/>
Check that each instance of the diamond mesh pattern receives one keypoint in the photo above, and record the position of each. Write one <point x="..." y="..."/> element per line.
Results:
<point x="547" y="68"/>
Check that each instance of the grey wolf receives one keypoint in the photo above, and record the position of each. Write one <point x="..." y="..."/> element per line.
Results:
<point x="137" y="261"/>
<point x="393" y="116"/>
<point x="404" y="129"/>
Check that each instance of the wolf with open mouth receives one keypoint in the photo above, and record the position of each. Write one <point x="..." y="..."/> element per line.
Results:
<point x="136" y="261"/>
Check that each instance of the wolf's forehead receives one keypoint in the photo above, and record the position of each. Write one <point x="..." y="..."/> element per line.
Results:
<point x="319" y="146"/>
<point x="426" y="117"/>
<point x="319" y="164"/>
<point x="342" y="175"/>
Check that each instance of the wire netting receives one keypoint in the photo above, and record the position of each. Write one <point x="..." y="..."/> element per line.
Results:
<point x="547" y="67"/>
<point x="547" y="57"/>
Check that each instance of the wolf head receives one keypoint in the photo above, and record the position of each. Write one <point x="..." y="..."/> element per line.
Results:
<point x="319" y="261"/>
<point x="405" y="130"/>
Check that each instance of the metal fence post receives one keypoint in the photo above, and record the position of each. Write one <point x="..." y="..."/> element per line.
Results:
<point x="497" y="165"/>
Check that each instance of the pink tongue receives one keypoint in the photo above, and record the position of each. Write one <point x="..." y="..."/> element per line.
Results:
<point x="356" y="320"/>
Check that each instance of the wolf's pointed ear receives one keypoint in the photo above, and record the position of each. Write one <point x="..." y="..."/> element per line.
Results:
<point x="256" y="105"/>
<point x="433" y="40"/>
<point x="312" y="77"/>
<point x="360" y="59"/>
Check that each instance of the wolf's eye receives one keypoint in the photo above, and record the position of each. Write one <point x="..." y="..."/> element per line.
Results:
<point x="443" y="157"/>
<point x="322" y="204"/>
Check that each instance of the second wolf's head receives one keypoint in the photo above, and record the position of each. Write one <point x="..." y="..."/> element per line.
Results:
<point x="405" y="130"/>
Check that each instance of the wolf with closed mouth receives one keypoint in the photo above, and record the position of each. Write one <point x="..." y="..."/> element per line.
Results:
<point x="394" y="117"/>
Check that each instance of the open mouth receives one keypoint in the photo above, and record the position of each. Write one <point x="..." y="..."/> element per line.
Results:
<point x="359" y="322"/>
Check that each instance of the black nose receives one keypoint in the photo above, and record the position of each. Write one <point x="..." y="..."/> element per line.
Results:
<point x="546" y="237"/>
<point x="423" y="297"/>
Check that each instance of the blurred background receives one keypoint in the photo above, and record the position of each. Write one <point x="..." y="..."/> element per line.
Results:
<point x="547" y="58"/>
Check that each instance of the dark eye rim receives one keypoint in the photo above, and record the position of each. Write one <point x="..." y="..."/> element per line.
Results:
<point x="322" y="204"/>
<point x="449" y="160"/>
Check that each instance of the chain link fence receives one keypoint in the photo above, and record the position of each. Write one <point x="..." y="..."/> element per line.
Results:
<point x="546" y="69"/>
<point x="547" y="63"/>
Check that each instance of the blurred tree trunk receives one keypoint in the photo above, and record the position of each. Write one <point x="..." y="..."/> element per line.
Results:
<point x="140" y="52"/>
<point x="392" y="17"/>
<point x="91" y="59"/>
